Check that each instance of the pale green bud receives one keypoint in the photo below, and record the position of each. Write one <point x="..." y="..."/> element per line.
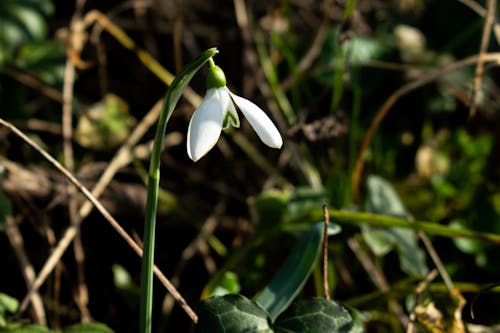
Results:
<point x="215" y="77"/>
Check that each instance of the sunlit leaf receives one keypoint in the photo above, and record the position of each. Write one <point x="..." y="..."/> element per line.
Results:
<point x="8" y="304"/>
<point x="316" y="315"/>
<point x="105" y="125"/>
<point x="229" y="285"/>
<point x="232" y="314"/>
<point x="441" y="313"/>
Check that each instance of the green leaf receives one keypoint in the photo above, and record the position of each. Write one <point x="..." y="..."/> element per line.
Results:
<point x="228" y="285"/>
<point x="350" y="6"/>
<point x="105" y="125"/>
<point x="232" y="314"/>
<point x="7" y="304"/>
<point x="382" y="199"/>
<point x="316" y="315"/>
<point x="17" y="328"/>
<point x="21" y="21"/>
<point x="45" y="59"/>
<point x="292" y="276"/>
<point x="269" y="207"/>
<point x="88" y="328"/>
<point x="303" y="200"/>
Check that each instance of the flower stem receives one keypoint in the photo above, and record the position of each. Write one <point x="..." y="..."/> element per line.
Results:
<point x="173" y="94"/>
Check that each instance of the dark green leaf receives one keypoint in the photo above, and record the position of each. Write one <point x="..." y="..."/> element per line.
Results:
<point x="292" y="276"/>
<point x="232" y="314"/>
<point x="21" y="21"/>
<point x="316" y="315"/>
<point x="44" y="59"/>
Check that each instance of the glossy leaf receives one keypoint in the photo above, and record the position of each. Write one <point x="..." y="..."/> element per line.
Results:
<point x="232" y="314"/>
<point x="316" y="315"/>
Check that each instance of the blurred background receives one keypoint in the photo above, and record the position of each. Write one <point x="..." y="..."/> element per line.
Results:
<point x="382" y="108"/>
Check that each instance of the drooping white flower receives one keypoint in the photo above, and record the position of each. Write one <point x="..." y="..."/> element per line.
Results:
<point x="217" y="112"/>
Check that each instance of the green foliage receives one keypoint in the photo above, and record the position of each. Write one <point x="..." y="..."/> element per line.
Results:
<point x="314" y="316"/>
<point x="382" y="199"/>
<point x="7" y="305"/>
<point x="105" y="125"/>
<point x="293" y="274"/>
<point x="44" y="59"/>
<point x="77" y="328"/>
<point x="237" y="314"/>
<point x="22" y="21"/>
<point x="232" y="313"/>
<point x="229" y="285"/>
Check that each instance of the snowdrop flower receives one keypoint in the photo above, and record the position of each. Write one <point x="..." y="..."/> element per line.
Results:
<point x="217" y="112"/>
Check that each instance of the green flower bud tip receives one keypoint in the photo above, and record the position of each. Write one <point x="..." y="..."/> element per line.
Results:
<point x="215" y="77"/>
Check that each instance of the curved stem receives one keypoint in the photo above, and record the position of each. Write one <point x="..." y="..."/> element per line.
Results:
<point x="173" y="94"/>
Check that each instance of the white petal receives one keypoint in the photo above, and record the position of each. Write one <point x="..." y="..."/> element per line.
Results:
<point x="205" y="125"/>
<point x="260" y="122"/>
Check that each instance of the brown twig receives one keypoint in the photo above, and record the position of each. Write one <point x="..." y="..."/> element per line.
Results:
<point x="16" y="241"/>
<point x="311" y="55"/>
<point x="437" y="261"/>
<point x="49" y="265"/>
<point x="389" y="103"/>
<point x="81" y="291"/>
<point x="478" y="78"/>
<point x="326" y="218"/>
<point x="377" y="277"/>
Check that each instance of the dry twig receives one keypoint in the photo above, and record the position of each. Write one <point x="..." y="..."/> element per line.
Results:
<point x="490" y="18"/>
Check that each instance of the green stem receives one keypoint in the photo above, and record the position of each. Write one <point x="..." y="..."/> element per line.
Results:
<point x="173" y="94"/>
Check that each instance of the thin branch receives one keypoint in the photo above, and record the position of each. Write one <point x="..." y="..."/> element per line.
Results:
<point x="478" y="78"/>
<point x="377" y="277"/>
<point x="326" y="219"/>
<point x="16" y="241"/>
<point x="67" y="132"/>
<point x="437" y="261"/>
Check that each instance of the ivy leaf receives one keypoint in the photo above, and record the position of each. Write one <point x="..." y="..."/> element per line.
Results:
<point x="383" y="199"/>
<point x="232" y="314"/>
<point x="316" y="315"/>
